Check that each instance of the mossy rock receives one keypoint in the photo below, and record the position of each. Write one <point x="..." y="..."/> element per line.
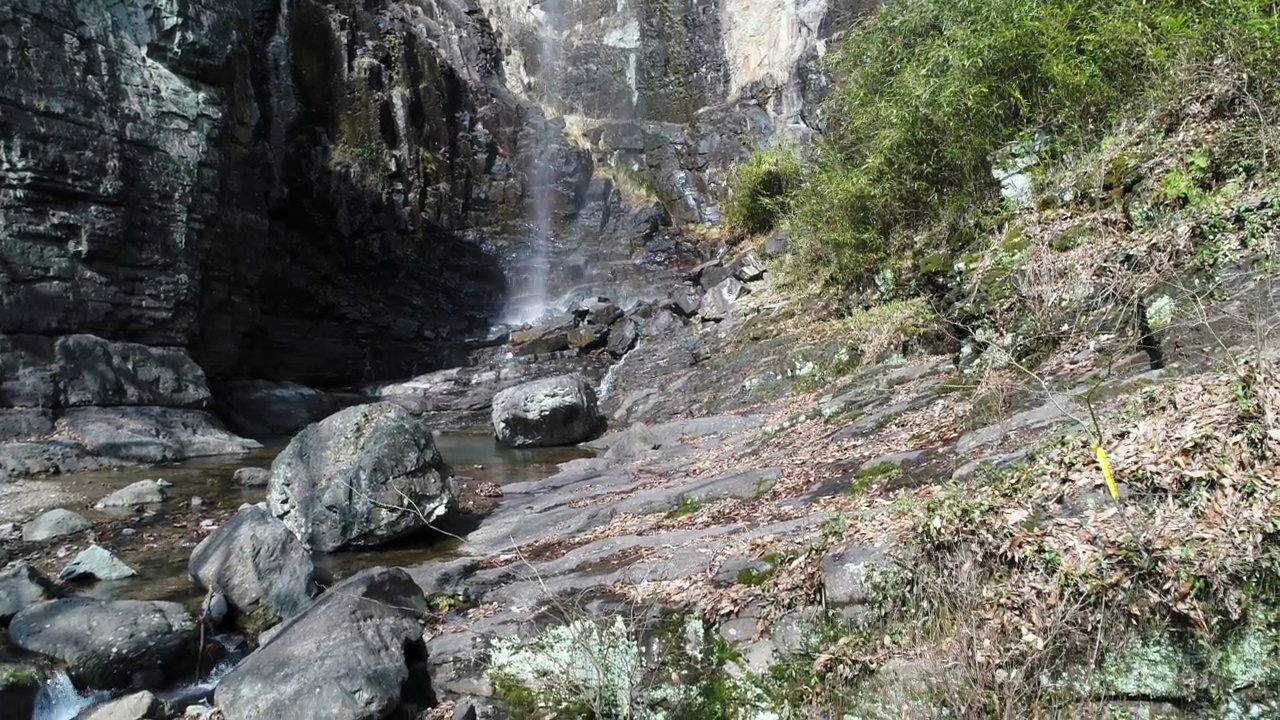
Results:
<point x="19" y="685"/>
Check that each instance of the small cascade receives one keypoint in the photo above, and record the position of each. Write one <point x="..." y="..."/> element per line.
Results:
<point x="58" y="699"/>
<point x="611" y="375"/>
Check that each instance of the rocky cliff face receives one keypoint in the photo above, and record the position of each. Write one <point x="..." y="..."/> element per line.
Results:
<point x="273" y="188"/>
<point x="331" y="191"/>
<point x="675" y="90"/>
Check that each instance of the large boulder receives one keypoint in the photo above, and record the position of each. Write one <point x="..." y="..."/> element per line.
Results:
<point x="356" y="653"/>
<point x="259" y="566"/>
<point x="22" y="586"/>
<point x="151" y="435"/>
<point x="98" y="372"/>
<point x="560" y="410"/>
<point x="121" y="644"/>
<point x="361" y="477"/>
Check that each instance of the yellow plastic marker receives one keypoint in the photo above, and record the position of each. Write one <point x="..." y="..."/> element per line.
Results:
<point x="1106" y="471"/>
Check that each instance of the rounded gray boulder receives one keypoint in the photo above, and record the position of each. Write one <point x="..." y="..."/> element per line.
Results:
<point x="259" y="566"/>
<point x="561" y="410"/>
<point x="356" y="653"/>
<point x="362" y="477"/>
<point x="121" y="644"/>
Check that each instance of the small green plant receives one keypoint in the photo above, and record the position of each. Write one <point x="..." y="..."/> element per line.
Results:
<point x="761" y="190"/>
<point x="866" y="478"/>
<point x="686" y="506"/>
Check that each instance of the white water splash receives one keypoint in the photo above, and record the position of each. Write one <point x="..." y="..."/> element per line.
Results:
<point x="58" y="699"/>
<point x="611" y="375"/>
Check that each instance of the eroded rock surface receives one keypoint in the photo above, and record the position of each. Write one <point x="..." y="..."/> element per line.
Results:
<point x="366" y="630"/>
<point x="561" y="410"/>
<point x="361" y="477"/>
<point x="111" y="644"/>
<point x="258" y="565"/>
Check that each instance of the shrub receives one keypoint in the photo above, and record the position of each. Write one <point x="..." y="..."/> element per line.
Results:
<point x="926" y="90"/>
<point x="760" y="190"/>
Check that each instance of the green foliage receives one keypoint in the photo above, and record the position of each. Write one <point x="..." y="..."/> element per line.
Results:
<point x="927" y="90"/>
<point x="761" y="190"/>
<point x="686" y="506"/>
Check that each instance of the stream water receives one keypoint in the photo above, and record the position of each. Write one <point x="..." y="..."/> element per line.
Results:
<point x="158" y="544"/>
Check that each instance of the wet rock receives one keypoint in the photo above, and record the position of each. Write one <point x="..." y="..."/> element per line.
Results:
<point x="119" y="644"/>
<point x="143" y="492"/>
<point x="686" y="300"/>
<point x="776" y="245"/>
<point x="588" y="337"/>
<point x="846" y="573"/>
<point x="251" y="477"/>
<point x="366" y="630"/>
<point x="561" y="410"/>
<point x="259" y="566"/>
<point x="541" y="340"/>
<point x="622" y="337"/>
<point x="9" y="532"/>
<point x="96" y="562"/>
<point x="719" y="300"/>
<point x="19" y="686"/>
<point x="55" y="523"/>
<point x="361" y="477"/>
<point x="264" y="409"/>
<point x="22" y="586"/>
<point x="138" y="706"/>
<point x="600" y="311"/>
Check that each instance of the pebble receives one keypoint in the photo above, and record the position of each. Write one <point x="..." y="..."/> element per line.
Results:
<point x="208" y="523"/>
<point x="129" y="531"/>
<point x="197" y="501"/>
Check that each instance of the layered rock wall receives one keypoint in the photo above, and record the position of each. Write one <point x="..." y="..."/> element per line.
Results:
<point x="675" y="90"/>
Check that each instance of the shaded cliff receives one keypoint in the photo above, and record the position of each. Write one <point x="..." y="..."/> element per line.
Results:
<point x="275" y="186"/>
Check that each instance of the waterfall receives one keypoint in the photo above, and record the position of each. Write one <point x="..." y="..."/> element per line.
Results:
<point x="542" y="178"/>
<point x="611" y="375"/>
<point x="58" y="699"/>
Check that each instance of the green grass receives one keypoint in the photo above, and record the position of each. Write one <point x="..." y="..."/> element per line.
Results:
<point x="926" y="90"/>
<point x="761" y="190"/>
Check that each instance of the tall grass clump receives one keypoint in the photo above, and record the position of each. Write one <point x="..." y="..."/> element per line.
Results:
<point x="924" y="91"/>
<point x="760" y="190"/>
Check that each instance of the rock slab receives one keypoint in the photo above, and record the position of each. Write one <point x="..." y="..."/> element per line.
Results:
<point x="55" y="523"/>
<point x="121" y="644"/>
<point x="259" y="566"/>
<point x="561" y="410"/>
<point x="22" y="586"/>
<point x="97" y="562"/>
<point x="364" y="476"/>
<point x="357" y="653"/>
<point x="142" y="705"/>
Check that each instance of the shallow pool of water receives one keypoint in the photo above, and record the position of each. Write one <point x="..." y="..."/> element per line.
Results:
<point x="157" y="542"/>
